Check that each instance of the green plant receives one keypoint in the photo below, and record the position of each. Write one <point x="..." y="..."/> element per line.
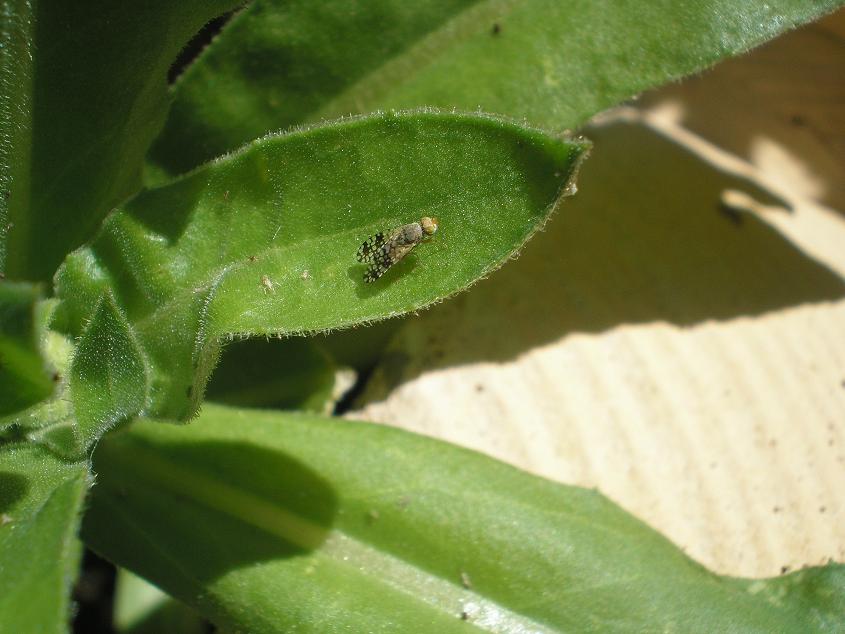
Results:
<point x="118" y="299"/>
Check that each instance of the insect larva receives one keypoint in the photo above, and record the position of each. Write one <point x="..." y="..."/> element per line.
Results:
<point x="382" y="250"/>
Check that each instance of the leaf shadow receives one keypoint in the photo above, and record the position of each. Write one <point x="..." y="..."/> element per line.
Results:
<point x="215" y="507"/>
<point x="363" y="290"/>
<point x="647" y="238"/>
<point x="766" y="112"/>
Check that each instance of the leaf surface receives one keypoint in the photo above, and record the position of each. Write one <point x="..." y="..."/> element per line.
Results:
<point x="264" y="241"/>
<point x="281" y="63"/>
<point x="16" y="69"/>
<point x="83" y="94"/>
<point x="41" y="500"/>
<point x="267" y="522"/>
<point x="108" y="374"/>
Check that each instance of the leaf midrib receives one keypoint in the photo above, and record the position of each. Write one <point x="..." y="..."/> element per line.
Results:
<point x="331" y="543"/>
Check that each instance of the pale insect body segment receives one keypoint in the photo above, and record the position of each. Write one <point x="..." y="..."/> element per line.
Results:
<point x="382" y="250"/>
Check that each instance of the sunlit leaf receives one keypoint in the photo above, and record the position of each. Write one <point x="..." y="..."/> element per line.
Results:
<point x="265" y="241"/>
<point x="84" y="91"/>
<point x="281" y="63"/>
<point x="272" y="522"/>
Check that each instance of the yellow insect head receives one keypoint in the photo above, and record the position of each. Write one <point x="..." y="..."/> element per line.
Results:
<point x="429" y="225"/>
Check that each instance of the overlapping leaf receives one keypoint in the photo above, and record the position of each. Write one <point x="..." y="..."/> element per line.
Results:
<point x="281" y="63"/>
<point x="40" y="504"/>
<point x="16" y="69"/>
<point x="83" y="94"/>
<point x="272" y="522"/>
<point x="264" y="241"/>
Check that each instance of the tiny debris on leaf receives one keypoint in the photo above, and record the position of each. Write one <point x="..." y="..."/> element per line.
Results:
<point x="465" y="580"/>
<point x="267" y="285"/>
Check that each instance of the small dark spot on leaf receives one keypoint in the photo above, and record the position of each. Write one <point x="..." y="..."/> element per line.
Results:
<point x="253" y="258"/>
<point x="464" y="615"/>
<point x="776" y="509"/>
<point x="56" y="377"/>
<point x="784" y="570"/>
<point x="189" y="391"/>
<point x="822" y="509"/>
<point x="497" y="28"/>
<point x="479" y="388"/>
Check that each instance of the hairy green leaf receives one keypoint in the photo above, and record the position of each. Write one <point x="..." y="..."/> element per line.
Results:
<point x="269" y="522"/>
<point x="264" y="241"/>
<point x="281" y="63"/>
<point x="86" y="86"/>
<point x="16" y="43"/>
<point x="40" y="503"/>
<point x="108" y="375"/>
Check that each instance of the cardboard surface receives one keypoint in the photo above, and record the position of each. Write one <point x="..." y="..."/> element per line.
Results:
<point x="675" y="337"/>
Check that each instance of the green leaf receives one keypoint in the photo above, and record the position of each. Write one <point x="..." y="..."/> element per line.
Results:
<point x="267" y="522"/>
<point x="16" y="44"/>
<point x="40" y="503"/>
<point x="101" y="382"/>
<point x="24" y="376"/>
<point x="281" y="63"/>
<point x="108" y="375"/>
<point x="86" y="86"/>
<point x="264" y="241"/>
